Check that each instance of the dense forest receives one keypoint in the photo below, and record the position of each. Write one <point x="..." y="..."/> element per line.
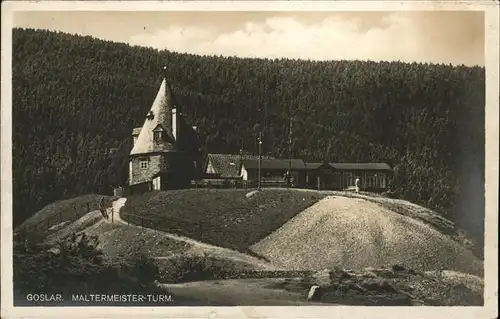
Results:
<point x="76" y="100"/>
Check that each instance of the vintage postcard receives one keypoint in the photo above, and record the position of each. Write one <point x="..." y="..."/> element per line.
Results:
<point x="249" y="159"/>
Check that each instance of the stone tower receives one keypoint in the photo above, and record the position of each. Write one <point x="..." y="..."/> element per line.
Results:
<point x="156" y="156"/>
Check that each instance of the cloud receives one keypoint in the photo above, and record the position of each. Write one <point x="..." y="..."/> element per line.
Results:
<point x="405" y="36"/>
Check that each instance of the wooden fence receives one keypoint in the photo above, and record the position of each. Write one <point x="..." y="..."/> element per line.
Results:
<point x="145" y="187"/>
<point x="141" y="221"/>
<point x="237" y="183"/>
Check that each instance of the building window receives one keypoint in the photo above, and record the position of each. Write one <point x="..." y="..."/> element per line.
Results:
<point x="144" y="163"/>
<point x="381" y="180"/>
<point x="371" y="180"/>
<point x="130" y="173"/>
<point x="157" y="183"/>
<point x="150" y="115"/>
<point x="348" y="179"/>
<point x="157" y="135"/>
<point x="210" y="168"/>
<point x="374" y="180"/>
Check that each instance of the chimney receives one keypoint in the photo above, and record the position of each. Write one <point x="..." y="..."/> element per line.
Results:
<point x="135" y="134"/>
<point x="174" y="123"/>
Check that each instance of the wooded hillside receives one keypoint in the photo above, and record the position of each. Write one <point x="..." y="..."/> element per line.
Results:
<point x="76" y="100"/>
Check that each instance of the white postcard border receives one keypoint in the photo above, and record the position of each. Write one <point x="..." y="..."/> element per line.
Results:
<point x="491" y="165"/>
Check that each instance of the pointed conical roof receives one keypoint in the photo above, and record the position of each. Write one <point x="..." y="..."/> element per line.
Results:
<point x="160" y="115"/>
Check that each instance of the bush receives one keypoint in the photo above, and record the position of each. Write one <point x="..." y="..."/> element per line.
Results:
<point x="142" y="269"/>
<point x="75" y="265"/>
<point x="195" y="268"/>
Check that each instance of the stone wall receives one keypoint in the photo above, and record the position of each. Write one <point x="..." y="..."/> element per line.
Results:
<point x="141" y="175"/>
<point x="175" y="163"/>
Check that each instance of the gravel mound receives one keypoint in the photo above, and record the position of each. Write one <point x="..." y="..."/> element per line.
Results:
<point x="354" y="233"/>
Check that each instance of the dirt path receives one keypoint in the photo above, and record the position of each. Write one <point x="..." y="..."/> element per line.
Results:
<point x="196" y="247"/>
<point x="117" y="206"/>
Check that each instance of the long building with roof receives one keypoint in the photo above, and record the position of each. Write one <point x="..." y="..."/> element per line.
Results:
<point x="337" y="176"/>
<point x="314" y="175"/>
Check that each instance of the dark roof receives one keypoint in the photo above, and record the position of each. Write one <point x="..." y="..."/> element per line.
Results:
<point x="314" y="165"/>
<point x="274" y="164"/>
<point x="361" y="166"/>
<point x="349" y="166"/>
<point x="136" y="130"/>
<point x="158" y="128"/>
<point x="160" y="173"/>
<point x="228" y="165"/>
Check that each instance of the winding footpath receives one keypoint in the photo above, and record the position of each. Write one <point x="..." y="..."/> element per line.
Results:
<point x="196" y="247"/>
<point x="251" y="292"/>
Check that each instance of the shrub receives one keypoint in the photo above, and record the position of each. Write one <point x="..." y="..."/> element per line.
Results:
<point x="75" y="265"/>
<point x="142" y="269"/>
<point x="194" y="268"/>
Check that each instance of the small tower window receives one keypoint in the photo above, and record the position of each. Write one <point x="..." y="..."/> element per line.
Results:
<point x="157" y="135"/>
<point x="144" y="163"/>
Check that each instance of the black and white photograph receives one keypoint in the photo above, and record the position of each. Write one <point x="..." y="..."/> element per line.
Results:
<point x="209" y="158"/>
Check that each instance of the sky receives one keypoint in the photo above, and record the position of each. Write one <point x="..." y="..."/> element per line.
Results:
<point x="450" y="37"/>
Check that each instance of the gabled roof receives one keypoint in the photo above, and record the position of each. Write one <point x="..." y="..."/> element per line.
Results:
<point x="278" y="164"/>
<point x="161" y="114"/>
<point x="228" y="165"/>
<point x="136" y="131"/>
<point x="158" y="128"/>
<point x="361" y="166"/>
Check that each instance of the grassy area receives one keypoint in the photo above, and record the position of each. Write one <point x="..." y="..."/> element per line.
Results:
<point x="120" y="242"/>
<point x="222" y="217"/>
<point x="63" y="211"/>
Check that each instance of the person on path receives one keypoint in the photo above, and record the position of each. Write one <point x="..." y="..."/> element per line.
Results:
<point x="356" y="184"/>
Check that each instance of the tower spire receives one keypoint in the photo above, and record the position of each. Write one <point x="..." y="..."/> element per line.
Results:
<point x="158" y="119"/>
<point x="169" y="89"/>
